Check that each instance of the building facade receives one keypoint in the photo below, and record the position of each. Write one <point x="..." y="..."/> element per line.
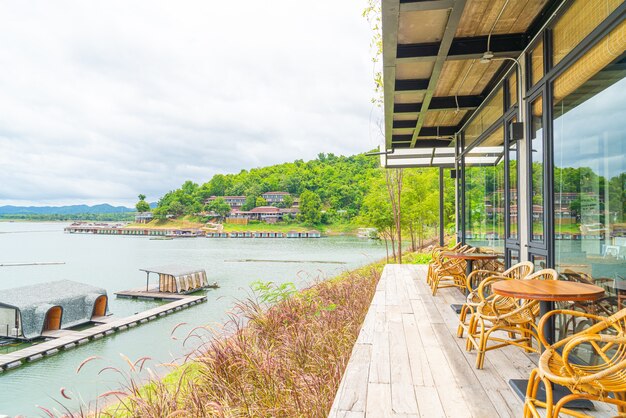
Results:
<point x="527" y="109"/>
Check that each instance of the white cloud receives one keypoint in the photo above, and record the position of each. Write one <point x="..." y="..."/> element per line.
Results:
<point x="103" y="100"/>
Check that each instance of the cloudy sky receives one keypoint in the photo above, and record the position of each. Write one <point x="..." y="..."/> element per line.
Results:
<point x="100" y="101"/>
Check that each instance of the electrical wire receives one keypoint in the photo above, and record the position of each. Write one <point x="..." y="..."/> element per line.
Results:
<point x="495" y="23"/>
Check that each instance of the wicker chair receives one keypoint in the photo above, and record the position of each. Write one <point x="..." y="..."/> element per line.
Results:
<point x="437" y="259"/>
<point x="511" y="315"/>
<point x="451" y="272"/>
<point x="607" y="376"/>
<point x="518" y="271"/>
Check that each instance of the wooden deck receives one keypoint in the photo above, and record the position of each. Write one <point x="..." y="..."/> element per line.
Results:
<point x="408" y="361"/>
<point x="67" y="339"/>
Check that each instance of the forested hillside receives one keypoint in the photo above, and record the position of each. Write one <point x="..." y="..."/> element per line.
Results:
<point x="340" y="189"/>
<point x="341" y="184"/>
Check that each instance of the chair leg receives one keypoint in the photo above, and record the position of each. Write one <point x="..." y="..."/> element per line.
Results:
<point x="482" y="345"/>
<point x="621" y="396"/>
<point x="462" y="323"/>
<point x="530" y="409"/>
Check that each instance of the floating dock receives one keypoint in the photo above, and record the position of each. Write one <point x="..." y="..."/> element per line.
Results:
<point x="64" y="339"/>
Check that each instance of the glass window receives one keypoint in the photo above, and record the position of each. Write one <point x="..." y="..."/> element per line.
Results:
<point x="536" y="63"/>
<point x="582" y="17"/>
<point x="484" y="203"/>
<point x="539" y="261"/>
<point x="513" y="257"/>
<point x="513" y="220"/>
<point x="537" y="164"/>
<point x="589" y="122"/>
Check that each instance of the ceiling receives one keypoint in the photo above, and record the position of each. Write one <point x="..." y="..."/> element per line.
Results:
<point x="433" y="77"/>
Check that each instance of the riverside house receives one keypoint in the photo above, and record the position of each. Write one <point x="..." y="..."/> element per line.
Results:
<point x="526" y="98"/>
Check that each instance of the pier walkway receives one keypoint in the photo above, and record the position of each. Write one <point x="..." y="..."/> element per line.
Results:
<point x="64" y="339"/>
<point x="408" y="362"/>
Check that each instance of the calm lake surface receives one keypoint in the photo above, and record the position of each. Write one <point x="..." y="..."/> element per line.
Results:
<point x="112" y="262"/>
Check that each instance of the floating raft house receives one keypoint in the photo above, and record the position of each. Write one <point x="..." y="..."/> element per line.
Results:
<point x="26" y="312"/>
<point x="177" y="279"/>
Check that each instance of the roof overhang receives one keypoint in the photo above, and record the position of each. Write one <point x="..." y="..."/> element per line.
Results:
<point x="433" y="77"/>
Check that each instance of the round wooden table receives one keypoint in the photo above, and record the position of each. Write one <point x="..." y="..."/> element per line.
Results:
<point x="547" y="292"/>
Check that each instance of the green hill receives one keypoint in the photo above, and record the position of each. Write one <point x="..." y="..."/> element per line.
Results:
<point x="340" y="182"/>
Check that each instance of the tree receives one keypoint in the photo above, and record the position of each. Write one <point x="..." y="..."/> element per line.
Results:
<point x="394" y="188"/>
<point x="142" y="205"/>
<point x="160" y="213"/>
<point x="377" y="212"/>
<point x="310" y="208"/>
<point x="219" y="206"/>
<point x="260" y="201"/>
<point x="250" y="202"/>
<point x="176" y="209"/>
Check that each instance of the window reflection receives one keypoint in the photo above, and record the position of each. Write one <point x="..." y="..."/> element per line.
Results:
<point x="513" y="218"/>
<point x="590" y="179"/>
<point x="537" y="160"/>
<point x="484" y="198"/>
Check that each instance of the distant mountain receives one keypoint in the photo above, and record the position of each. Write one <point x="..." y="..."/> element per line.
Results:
<point x="63" y="210"/>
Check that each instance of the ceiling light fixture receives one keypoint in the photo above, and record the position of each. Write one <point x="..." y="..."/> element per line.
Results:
<point x="488" y="55"/>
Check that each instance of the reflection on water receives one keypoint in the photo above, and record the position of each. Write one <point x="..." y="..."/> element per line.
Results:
<point x="114" y="262"/>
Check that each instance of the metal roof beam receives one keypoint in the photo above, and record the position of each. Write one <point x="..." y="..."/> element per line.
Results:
<point x="421" y="5"/>
<point x="441" y="103"/>
<point x="446" y="42"/>
<point x="422" y="143"/>
<point x="390" y="15"/>
<point x="507" y="45"/>
<point x="407" y="86"/>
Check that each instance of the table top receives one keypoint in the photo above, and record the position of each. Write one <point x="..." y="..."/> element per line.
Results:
<point x="470" y="256"/>
<point x="547" y="290"/>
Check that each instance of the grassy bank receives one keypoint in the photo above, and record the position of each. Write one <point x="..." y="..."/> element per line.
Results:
<point x="287" y="360"/>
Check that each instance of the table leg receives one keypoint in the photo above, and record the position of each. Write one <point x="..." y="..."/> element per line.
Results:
<point x="558" y="391"/>
<point x="548" y="328"/>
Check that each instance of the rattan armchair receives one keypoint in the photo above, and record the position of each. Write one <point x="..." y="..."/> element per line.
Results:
<point x="437" y="259"/>
<point x="605" y="377"/>
<point x="518" y="271"/>
<point x="515" y="317"/>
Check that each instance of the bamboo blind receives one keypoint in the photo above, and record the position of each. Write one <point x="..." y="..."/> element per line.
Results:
<point x="602" y="54"/>
<point x="512" y="89"/>
<point x="495" y="139"/>
<point x="536" y="63"/>
<point x="582" y="17"/>
<point x="486" y="117"/>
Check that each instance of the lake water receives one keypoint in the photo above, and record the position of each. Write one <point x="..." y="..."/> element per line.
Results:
<point x="112" y="262"/>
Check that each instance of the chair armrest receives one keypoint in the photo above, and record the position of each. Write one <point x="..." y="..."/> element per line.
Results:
<point x="560" y="343"/>
<point x="613" y="364"/>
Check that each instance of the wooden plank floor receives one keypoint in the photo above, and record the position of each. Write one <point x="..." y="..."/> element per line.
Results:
<point x="408" y="361"/>
<point x="66" y="339"/>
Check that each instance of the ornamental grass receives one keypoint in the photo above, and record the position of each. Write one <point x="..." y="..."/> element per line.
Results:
<point x="284" y="357"/>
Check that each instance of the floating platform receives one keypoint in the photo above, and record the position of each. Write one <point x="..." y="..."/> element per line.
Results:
<point x="65" y="339"/>
<point x="154" y="294"/>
